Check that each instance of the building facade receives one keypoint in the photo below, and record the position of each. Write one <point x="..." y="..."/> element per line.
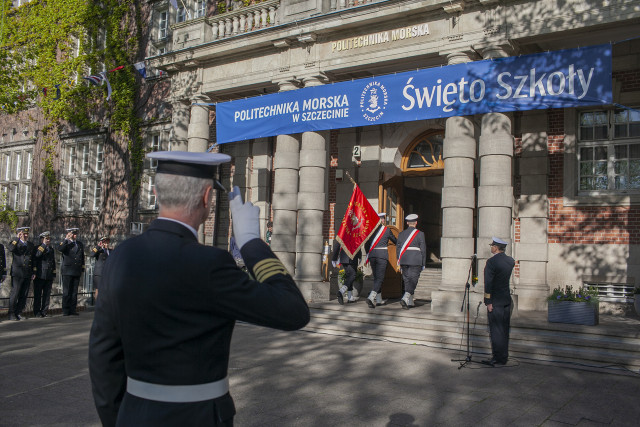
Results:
<point x="560" y="185"/>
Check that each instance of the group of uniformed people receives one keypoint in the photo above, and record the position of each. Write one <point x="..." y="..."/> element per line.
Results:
<point x="38" y="264"/>
<point x="411" y="257"/>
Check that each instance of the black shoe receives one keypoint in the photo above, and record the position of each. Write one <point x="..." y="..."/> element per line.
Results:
<point x="340" y="298"/>
<point x="370" y="303"/>
<point x="404" y="304"/>
<point x="491" y="362"/>
<point x="18" y="317"/>
<point x="43" y="315"/>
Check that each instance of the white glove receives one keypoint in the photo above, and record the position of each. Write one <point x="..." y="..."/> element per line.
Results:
<point x="246" y="218"/>
<point x="422" y="268"/>
<point x="334" y="263"/>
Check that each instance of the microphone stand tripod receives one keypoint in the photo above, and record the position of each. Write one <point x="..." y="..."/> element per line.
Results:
<point x="465" y="298"/>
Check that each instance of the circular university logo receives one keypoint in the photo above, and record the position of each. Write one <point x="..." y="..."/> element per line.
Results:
<point x="373" y="101"/>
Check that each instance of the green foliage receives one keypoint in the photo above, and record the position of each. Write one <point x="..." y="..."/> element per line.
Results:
<point x="7" y="215"/>
<point x="342" y="274"/>
<point x="636" y="290"/>
<point x="589" y="294"/>
<point x="57" y="42"/>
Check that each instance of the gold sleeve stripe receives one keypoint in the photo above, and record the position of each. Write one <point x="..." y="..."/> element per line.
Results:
<point x="40" y="248"/>
<point x="94" y="250"/>
<point x="487" y="296"/>
<point x="13" y="242"/>
<point x="267" y="268"/>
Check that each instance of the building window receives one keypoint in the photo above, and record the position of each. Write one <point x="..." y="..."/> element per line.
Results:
<point x="152" y="194"/>
<point x="163" y="25"/>
<point x="201" y="8"/>
<point x="7" y="167"/>
<point x="18" y="165"/>
<point x="425" y="153"/>
<point x="99" y="156"/>
<point x="16" y="197"/>
<point x="97" y="192"/>
<point x="83" y="194"/>
<point x="69" y="195"/>
<point x="85" y="159"/>
<point x="72" y="160"/>
<point x="181" y="15"/>
<point x="155" y="146"/>
<point x="27" y="196"/>
<point x="609" y="151"/>
<point x="29" y="165"/>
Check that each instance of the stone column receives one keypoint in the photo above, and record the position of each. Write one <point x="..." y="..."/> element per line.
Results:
<point x="260" y="180"/>
<point x="198" y="134"/>
<point x="495" y="191"/>
<point x="312" y="200"/>
<point x="179" y="126"/>
<point x="199" y="124"/>
<point x="533" y="212"/>
<point x="458" y="203"/>
<point x="285" y="194"/>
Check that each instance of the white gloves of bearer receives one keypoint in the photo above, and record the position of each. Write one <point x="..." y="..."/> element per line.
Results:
<point x="246" y="218"/>
<point x="334" y="263"/>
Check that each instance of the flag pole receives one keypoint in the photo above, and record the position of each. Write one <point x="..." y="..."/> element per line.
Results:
<point x="349" y="176"/>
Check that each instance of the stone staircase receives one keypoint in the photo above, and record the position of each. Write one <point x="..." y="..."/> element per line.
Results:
<point x="615" y="342"/>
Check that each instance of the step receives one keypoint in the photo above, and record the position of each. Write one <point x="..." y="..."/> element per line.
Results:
<point x="533" y="339"/>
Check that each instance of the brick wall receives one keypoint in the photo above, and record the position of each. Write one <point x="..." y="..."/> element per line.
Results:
<point x="328" y="230"/>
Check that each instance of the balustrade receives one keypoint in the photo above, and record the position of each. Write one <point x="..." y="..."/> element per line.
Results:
<point x="244" y="19"/>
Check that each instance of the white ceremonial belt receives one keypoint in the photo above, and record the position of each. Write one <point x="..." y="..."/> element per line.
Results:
<point x="412" y="248"/>
<point x="178" y="393"/>
<point x="380" y="249"/>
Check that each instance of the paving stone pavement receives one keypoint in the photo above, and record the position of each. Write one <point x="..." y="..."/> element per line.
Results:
<point x="309" y="379"/>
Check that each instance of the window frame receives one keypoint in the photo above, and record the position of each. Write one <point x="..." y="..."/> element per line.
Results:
<point x="609" y="143"/>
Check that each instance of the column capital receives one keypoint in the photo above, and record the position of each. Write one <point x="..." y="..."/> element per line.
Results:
<point x="289" y="83"/>
<point x="199" y="98"/>
<point x="317" y="79"/>
<point x="495" y="50"/>
<point x="460" y="56"/>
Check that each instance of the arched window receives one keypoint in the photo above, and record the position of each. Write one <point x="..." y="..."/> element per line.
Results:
<point x="424" y="153"/>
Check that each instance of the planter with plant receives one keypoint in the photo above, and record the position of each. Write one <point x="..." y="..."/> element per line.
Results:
<point x="578" y="307"/>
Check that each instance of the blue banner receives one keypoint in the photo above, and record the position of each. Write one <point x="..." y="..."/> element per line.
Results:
<point x="561" y="79"/>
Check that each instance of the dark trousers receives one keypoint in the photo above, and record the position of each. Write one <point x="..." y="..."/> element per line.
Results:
<point x="96" y="282"/>
<point x="379" y="268"/>
<point x="349" y="276"/>
<point x="410" y="276"/>
<point x="41" y="295"/>
<point x="70" y="293"/>
<point x="499" y="323"/>
<point x="18" y="295"/>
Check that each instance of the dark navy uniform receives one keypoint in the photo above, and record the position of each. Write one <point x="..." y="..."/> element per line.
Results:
<point x="165" y="315"/>
<point x="21" y="273"/>
<point x="45" y="266"/>
<point x="379" y="257"/>
<point x="350" y="266"/>
<point x="72" y="268"/>
<point x="414" y="258"/>
<point x="101" y="255"/>
<point x="497" y="273"/>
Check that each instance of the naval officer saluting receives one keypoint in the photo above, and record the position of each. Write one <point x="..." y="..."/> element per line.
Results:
<point x="71" y="267"/>
<point x="160" y="340"/>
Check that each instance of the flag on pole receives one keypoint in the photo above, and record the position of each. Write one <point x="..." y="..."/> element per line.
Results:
<point x="117" y="68"/>
<point x="142" y="69"/>
<point x="358" y="224"/>
<point x="99" y="79"/>
<point x="174" y="3"/>
<point x="57" y="92"/>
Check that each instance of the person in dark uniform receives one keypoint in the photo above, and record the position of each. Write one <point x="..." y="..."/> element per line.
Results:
<point x="378" y="256"/>
<point x="45" y="266"/>
<point x="100" y="252"/>
<point x="72" y="268"/>
<point x="497" y="298"/>
<point x="412" y="257"/>
<point x="160" y="340"/>
<point x="340" y="258"/>
<point x="21" y="272"/>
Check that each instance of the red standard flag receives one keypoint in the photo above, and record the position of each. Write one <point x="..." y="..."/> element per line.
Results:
<point x="358" y="223"/>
